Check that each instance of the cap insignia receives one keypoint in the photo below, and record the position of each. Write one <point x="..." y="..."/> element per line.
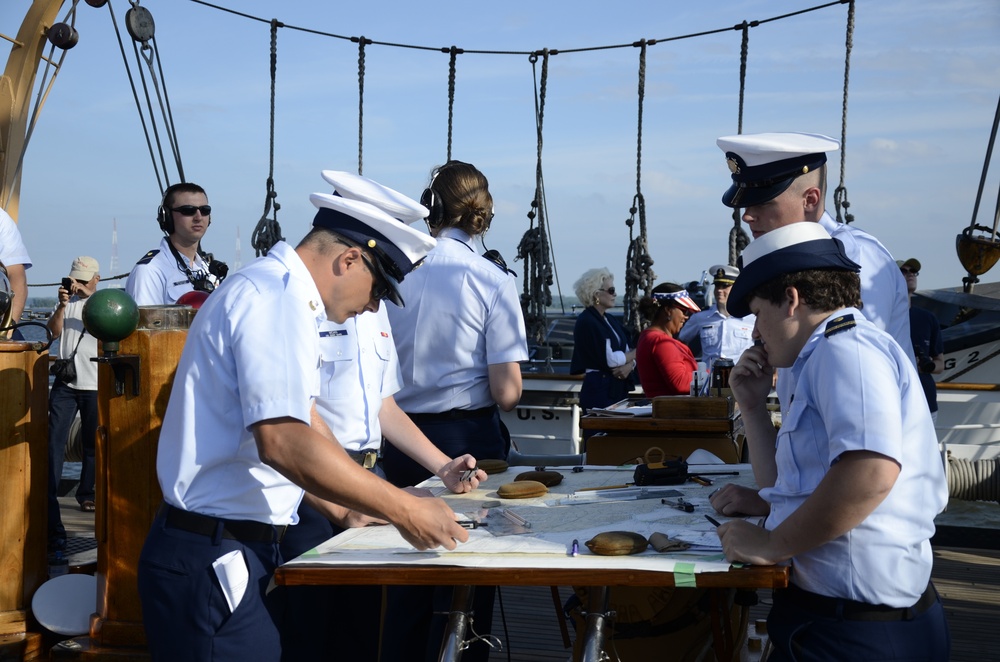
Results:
<point x="734" y="167"/>
<point x="839" y="324"/>
<point x="805" y="169"/>
<point x="371" y="243"/>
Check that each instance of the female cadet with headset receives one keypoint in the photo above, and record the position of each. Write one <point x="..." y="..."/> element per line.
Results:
<point x="459" y="339"/>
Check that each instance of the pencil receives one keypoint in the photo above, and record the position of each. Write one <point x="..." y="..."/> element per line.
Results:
<point x="712" y="520"/>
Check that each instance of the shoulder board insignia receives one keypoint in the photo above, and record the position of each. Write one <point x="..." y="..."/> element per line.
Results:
<point x="148" y="256"/>
<point x="838" y="324"/>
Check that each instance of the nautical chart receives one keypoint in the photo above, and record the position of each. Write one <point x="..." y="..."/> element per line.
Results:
<point x="539" y="532"/>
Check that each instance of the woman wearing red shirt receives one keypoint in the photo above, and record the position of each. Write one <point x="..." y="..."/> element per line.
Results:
<point x="664" y="363"/>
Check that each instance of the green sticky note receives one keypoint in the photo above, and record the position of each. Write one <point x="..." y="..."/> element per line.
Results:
<point x="684" y="575"/>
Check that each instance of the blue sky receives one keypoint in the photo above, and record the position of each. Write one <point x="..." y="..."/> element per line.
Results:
<point x="925" y="78"/>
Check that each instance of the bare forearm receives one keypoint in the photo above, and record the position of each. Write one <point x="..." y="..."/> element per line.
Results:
<point x="407" y="437"/>
<point x="19" y="286"/>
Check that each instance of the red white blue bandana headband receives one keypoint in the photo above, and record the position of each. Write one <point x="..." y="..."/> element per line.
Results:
<point x="681" y="298"/>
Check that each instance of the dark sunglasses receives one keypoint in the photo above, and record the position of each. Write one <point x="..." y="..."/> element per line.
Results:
<point x="906" y="270"/>
<point x="610" y="291"/>
<point x="380" y="289"/>
<point x="189" y="210"/>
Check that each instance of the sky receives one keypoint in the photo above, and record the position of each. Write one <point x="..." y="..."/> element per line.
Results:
<point x="924" y="85"/>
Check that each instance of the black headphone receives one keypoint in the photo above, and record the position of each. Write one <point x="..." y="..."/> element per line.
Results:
<point x="432" y="201"/>
<point x="164" y="217"/>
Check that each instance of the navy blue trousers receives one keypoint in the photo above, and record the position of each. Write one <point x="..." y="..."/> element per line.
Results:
<point x="64" y="402"/>
<point x="799" y="635"/>
<point x="184" y="611"/>
<point x="416" y="616"/>
<point x="326" y="622"/>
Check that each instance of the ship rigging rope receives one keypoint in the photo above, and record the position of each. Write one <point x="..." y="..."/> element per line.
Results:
<point x="451" y="94"/>
<point x="738" y="239"/>
<point x="840" y="193"/>
<point x="522" y="53"/>
<point x="361" y="101"/>
<point x="268" y="232"/>
<point x="534" y="245"/>
<point x="982" y="182"/>
<point x="638" y="263"/>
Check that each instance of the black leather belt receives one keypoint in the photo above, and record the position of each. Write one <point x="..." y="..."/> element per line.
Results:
<point x="852" y="610"/>
<point x="453" y="415"/>
<point x="233" y="529"/>
<point x="366" y="459"/>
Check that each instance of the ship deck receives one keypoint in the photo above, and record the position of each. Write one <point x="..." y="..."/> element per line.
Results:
<point x="966" y="573"/>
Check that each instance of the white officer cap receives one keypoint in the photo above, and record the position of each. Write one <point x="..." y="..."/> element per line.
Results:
<point x="724" y="275"/>
<point x="788" y="249"/>
<point x="398" y="248"/>
<point x="763" y="165"/>
<point x="392" y="202"/>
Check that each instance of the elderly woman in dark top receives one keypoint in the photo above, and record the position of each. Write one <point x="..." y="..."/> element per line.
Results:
<point x="601" y="350"/>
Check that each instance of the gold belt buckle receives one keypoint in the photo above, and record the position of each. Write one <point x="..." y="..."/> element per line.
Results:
<point x="369" y="459"/>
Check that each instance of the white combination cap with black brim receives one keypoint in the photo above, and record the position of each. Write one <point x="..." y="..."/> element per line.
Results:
<point x="397" y="248"/>
<point x="764" y="165"/>
<point x="395" y="204"/>
<point x="797" y="247"/>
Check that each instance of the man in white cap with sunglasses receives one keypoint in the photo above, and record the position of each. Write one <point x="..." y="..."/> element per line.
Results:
<point x="854" y="478"/>
<point x="360" y="373"/>
<point x="241" y="441"/>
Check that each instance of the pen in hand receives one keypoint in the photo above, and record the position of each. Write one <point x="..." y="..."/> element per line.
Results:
<point x="712" y="520"/>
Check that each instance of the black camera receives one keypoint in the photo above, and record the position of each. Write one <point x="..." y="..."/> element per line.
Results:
<point x="67" y="284"/>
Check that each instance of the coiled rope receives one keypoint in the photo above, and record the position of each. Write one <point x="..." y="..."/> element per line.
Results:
<point x="268" y="231"/>
<point x="974" y="480"/>
<point x="638" y="263"/>
<point x="738" y="239"/>
<point x="840" y="193"/>
<point x="534" y="245"/>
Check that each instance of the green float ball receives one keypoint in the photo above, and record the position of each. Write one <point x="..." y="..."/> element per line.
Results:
<point x="110" y="316"/>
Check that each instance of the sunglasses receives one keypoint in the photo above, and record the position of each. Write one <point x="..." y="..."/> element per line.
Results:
<point x="189" y="210"/>
<point x="906" y="270"/>
<point x="610" y="291"/>
<point x="380" y="289"/>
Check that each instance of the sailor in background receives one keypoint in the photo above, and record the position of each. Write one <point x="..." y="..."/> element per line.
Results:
<point x="179" y="265"/>
<point x="460" y="339"/>
<point x="359" y="376"/>
<point x="714" y="333"/>
<point x="854" y="477"/>
<point x="240" y="438"/>
<point x="925" y="334"/>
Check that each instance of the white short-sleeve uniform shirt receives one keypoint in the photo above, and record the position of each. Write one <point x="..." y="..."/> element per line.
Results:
<point x="12" y="248"/>
<point x="853" y="388"/>
<point x="462" y="315"/>
<point x="883" y="288"/>
<point x="359" y="369"/>
<point x="157" y="280"/>
<point x="252" y="354"/>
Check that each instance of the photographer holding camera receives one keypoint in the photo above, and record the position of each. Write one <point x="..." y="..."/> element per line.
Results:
<point x="75" y="389"/>
<point x="925" y="334"/>
<point x="179" y="265"/>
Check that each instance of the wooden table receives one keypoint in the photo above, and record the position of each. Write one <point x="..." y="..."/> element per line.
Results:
<point x="554" y="569"/>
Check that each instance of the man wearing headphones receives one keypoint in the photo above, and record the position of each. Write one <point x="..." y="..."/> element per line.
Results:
<point x="179" y="265"/>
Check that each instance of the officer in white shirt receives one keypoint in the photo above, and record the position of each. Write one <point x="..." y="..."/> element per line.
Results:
<point x="780" y="178"/>
<point x="179" y="265"/>
<point x="15" y="261"/>
<point x="854" y="478"/>
<point x="459" y="339"/>
<point x="714" y="333"/>
<point x="241" y="439"/>
<point x="359" y="376"/>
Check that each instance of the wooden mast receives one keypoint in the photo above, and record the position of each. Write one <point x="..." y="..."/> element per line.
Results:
<point x="15" y="94"/>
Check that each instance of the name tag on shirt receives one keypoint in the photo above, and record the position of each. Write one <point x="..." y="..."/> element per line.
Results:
<point x="334" y="333"/>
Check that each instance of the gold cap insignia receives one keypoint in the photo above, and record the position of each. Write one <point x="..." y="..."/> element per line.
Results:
<point x="734" y="167"/>
<point x="371" y="243"/>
